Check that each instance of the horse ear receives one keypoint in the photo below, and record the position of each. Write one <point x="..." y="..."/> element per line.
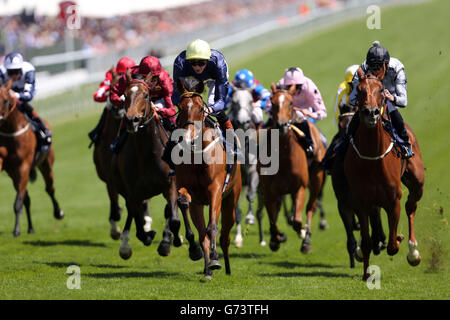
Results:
<point x="360" y="74"/>
<point x="180" y="86"/>
<point x="128" y="75"/>
<point x="382" y="72"/>
<point x="291" y="89"/>
<point x="9" y="84"/>
<point x="272" y="86"/>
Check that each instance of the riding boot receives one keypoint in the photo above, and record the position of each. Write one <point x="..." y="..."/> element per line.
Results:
<point x="118" y="141"/>
<point x="399" y="125"/>
<point x="342" y="145"/>
<point x="328" y="159"/>
<point x="307" y="141"/>
<point x="95" y="134"/>
<point x="167" y="155"/>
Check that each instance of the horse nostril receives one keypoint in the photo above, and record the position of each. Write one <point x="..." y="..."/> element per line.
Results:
<point x="135" y="119"/>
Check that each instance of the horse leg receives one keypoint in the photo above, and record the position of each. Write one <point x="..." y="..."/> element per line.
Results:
<point x="378" y="237"/>
<point x="347" y="218"/>
<point x="27" y="204"/>
<point x="20" y="179"/>
<point x="47" y="173"/>
<point x="172" y="213"/>
<point x="298" y="202"/>
<point x="276" y="237"/>
<point x="251" y="192"/>
<point x="212" y="230"/>
<point x="238" y="239"/>
<point x="137" y="209"/>
<point x="228" y="217"/>
<point x="323" y="225"/>
<point x="195" y="253"/>
<point x="259" y="216"/>
<point x="198" y="219"/>
<point x="114" y="211"/>
<point x="393" y="218"/>
<point x="289" y="214"/>
<point x="415" y="188"/>
<point x="366" y="242"/>
<point x="125" y="250"/>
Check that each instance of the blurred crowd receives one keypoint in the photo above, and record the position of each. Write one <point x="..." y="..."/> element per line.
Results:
<point x="28" y="30"/>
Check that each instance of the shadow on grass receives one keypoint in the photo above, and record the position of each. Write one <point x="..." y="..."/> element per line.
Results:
<point x="58" y="264"/>
<point x="291" y="265"/>
<point x="79" y="243"/>
<point x="307" y="274"/>
<point x="133" y="274"/>
<point x="248" y="255"/>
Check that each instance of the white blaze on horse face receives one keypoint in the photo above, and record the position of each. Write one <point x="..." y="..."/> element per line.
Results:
<point x="134" y="90"/>
<point x="188" y="135"/>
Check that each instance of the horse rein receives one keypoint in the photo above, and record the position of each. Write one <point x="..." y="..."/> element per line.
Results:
<point x="20" y="131"/>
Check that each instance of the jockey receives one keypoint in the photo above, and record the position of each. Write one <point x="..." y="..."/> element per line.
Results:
<point x="160" y="93"/>
<point x="308" y="103"/>
<point x="342" y="98"/>
<point x="101" y="94"/>
<point x="261" y="96"/>
<point x="201" y="63"/>
<point x="22" y="73"/>
<point x="395" y="85"/>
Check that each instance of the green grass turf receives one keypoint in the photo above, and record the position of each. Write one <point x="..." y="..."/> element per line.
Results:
<point x="34" y="266"/>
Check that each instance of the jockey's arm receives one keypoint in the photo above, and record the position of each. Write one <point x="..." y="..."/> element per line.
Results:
<point x="177" y="73"/>
<point x="263" y="96"/>
<point x="116" y="95"/>
<point x="400" y="95"/>
<point x="29" y="87"/>
<point x="100" y="94"/>
<point x="168" y="110"/>
<point x="319" y="111"/>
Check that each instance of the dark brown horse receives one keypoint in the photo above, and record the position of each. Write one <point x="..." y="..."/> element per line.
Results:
<point x="205" y="182"/>
<point x="17" y="153"/>
<point x="341" y="191"/>
<point x="103" y="158"/>
<point x="375" y="172"/>
<point x="139" y="171"/>
<point x="294" y="175"/>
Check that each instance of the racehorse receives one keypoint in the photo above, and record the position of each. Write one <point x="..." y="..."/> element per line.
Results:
<point x="18" y="145"/>
<point x="375" y="172"/>
<point x="206" y="181"/>
<point x="139" y="173"/>
<point x="294" y="174"/>
<point x="241" y="111"/>
<point x="341" y="191"/>
<point x="103" y="158"/>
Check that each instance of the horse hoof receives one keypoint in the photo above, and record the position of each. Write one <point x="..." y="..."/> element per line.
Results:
<point x="306" y="248"/>
<point x="208" y="276"/>
<point x="125" y="253"/>
<point x="413" y="261"/>
<point x="147" y="237"/>
<point x="195" y="253"/>
<point x="250" y="219"/>
<point x="59" y="215"/>
<point x="177" y="241"/>
<point x="400" y="238"/>
<point x="263" y="243"/>
<point x="323" y="224"/>
<point x="282" y="237"/>
<point x="358" y="255"/>
<point x="365" y="276"/>
<point x="392" y="251"/>
<point x="274" y="245"/>
<point x="31" y="231"/>
<point x="297" y="226"/>
<point x="214" y="265"/>
<point x="115" y="235"/>
<point x="164" y="249"/>
<point x="16" y="234"/>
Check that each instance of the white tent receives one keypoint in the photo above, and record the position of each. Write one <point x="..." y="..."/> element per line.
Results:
<point x="91" y="8"/>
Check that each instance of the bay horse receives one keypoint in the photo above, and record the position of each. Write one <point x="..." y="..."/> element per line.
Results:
<point x="341" y="191"/>
<point x="206" y="182"/>
<point x="103" y="158"/>
<point x="241" y="110"/>
<point x="294" y="175"/>
<point x="139" y="173"/>
<point x="18" y="145"/>
<point x="375" y="172"/>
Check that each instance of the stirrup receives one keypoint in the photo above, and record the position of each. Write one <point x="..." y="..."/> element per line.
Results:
<point x="406" y="152"/>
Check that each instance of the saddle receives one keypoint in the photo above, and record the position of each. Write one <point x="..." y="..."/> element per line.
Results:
<point x="398" y="141"/>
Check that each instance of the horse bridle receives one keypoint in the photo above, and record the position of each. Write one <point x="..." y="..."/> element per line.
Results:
<point x="383" y="98"/>
<point x="10" y="108"/>
<point x="190" y="94"/>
